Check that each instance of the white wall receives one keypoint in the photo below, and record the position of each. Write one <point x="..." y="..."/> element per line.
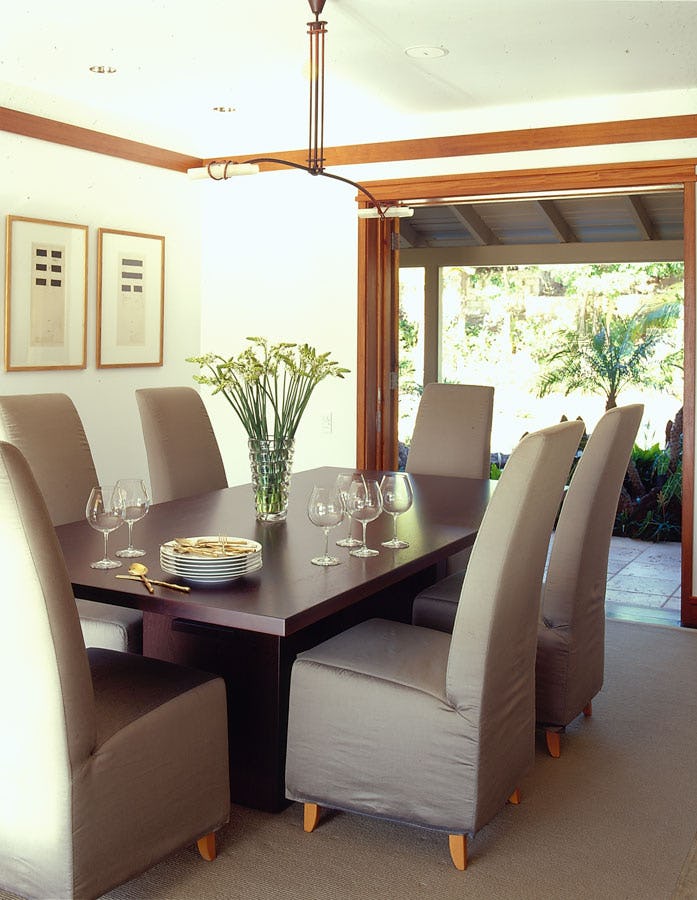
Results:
<point x="280" y="261"/>
<point x="47" y="181"/>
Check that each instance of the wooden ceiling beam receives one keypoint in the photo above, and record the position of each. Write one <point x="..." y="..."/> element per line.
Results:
<point x="43" y="129"/>
<point x="641" y="217"/>
<point x="556" y="221"/>
<point x="663" y="128"/>
<point x="411" y="235"/>
<point x="466" y="215"/>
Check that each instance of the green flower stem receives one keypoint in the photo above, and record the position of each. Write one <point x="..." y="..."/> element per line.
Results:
<point x="268" y="385"/>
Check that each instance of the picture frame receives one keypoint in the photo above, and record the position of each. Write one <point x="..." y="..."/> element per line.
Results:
<point x="130" y="299"/>
<point x="45" y="295"/>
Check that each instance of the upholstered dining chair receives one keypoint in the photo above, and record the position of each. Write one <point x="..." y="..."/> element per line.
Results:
<point x="452" y="431"/>
<point x="110" y="761"/>
<point x="452" y="436"/>
<point x="414" y="725"/>
<point x="48" y="430"/>
<point x="571" y="632"/>
<point x="183" y="453"/>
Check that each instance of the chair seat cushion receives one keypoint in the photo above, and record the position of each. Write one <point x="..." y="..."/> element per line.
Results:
<point x="436" y="605"/>
<point x="110" y="627"/>
<point x="158" y="776"/>
<point x="128" y="686"/>
<point x="370" y="729"/>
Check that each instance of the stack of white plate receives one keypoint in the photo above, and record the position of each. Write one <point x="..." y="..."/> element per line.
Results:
<point x="210" y="559"/>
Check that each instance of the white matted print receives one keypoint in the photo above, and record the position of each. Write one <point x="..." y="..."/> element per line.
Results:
<point x="131" y="294"/>
<point x="45" y="295"/>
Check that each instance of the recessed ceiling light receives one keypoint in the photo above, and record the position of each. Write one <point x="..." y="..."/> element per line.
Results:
<point x="102" y="70"/>
<point x="426" y="52"/>
<point x="224" y="109"/>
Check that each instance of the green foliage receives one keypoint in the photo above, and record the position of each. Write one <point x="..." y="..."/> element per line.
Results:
<point x="650" y="505"/>
<point x="408" y="339"/>
<point x="268" y="385"/>
<point x="609" y="355"/>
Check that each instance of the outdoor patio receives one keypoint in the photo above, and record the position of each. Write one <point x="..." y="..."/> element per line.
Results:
<point x="643" y="583"/>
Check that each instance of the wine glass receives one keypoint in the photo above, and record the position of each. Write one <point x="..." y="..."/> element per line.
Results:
<point x="343" y="483"/>
<point x="364" y="503"/>
<point x="136" y="505"/>
<point x="104" y="512"/>
<point x="397" y="498"/>
<point x="326" y="509"/>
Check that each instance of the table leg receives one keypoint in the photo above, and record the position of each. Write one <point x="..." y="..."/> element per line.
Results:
<point x="256" y="669"/>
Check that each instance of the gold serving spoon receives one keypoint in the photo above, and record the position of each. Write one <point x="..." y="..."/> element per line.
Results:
<point x="139" y="570"/>
<point x="168" y="584"/>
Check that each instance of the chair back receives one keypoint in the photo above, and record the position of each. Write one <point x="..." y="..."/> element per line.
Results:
<point x="574" y="592"/>
<point x="47" y="702"/>
<point x="183" y="453"/>
<point x="491" y="664"/>
<point x="452" y="432"/>
<point x="49" y="432"/>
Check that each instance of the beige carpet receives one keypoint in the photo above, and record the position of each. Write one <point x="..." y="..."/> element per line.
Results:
<point x="614" y="817"/>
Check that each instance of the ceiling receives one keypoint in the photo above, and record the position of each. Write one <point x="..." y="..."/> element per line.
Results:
<point x="650" y="217"/>
<point x="174" y="61"/>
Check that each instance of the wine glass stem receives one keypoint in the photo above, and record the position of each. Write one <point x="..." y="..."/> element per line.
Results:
<point x="106" y="538"/>
<point x="326" y="543"/>
<point x="394" y="527"/>
<point x="365" y="525"/>
<point x="130" y="535"/>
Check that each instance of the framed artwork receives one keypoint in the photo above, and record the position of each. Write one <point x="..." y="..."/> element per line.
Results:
<point x="130" y="299"/>
<point x="45" y="295"/>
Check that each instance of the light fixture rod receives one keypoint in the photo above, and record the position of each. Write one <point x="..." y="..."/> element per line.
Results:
<point x="315" y="151"/>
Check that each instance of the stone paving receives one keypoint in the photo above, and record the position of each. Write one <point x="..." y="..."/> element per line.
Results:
<point x="643" y="581"/>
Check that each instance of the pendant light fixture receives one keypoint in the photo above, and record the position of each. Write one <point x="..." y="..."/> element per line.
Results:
<point x="221" y="170"/>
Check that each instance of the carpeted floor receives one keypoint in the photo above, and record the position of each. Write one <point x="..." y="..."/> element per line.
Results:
<point x="615" y="817"/>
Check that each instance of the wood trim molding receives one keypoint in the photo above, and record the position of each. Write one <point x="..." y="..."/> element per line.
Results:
<point x="54" y="132"/>
<point x="444" y="188"/>
<point x="665" y="128"/>
<point x="688" y="602"/>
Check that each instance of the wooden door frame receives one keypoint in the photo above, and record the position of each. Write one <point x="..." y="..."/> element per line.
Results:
<point x="372" y="450"/>
<point x="378" y="343"/>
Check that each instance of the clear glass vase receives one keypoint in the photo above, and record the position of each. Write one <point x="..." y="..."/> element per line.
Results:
<point x="271" y="462"/>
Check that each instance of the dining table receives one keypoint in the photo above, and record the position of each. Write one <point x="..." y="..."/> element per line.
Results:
<point x="249" y="630"/>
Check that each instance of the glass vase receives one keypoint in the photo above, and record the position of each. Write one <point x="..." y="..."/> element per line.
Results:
<point x="271" y="461"/>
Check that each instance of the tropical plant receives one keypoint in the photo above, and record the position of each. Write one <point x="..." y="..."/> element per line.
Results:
<point x="268" y="385"/>
<point x="650" y="505"/>
<point x="618" y="352"/>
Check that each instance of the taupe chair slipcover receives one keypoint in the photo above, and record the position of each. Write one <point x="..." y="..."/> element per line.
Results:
<point x="421" y="727"/>
<point x="452" y="436"/>
<point x="183" y="453"/>
<point x="571" y="634"/>
<point x="110" y="761"/>
<point x="49" y="432"/>
<point x="452" y="431"/>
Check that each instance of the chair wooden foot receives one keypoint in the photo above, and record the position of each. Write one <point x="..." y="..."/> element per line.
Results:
<point x="206" y="846"/>
<point x="588" y="709"/>
<point x="515" y="797"/>
<point x="553" y="739"/>
<point x="311" y="813"/>
<point x="458" y="850"/>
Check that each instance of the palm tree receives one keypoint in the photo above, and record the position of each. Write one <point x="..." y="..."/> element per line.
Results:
<point x="610" y="357"/>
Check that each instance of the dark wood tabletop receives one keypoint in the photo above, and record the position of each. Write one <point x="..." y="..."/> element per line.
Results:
<point x="288" y="593"/>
